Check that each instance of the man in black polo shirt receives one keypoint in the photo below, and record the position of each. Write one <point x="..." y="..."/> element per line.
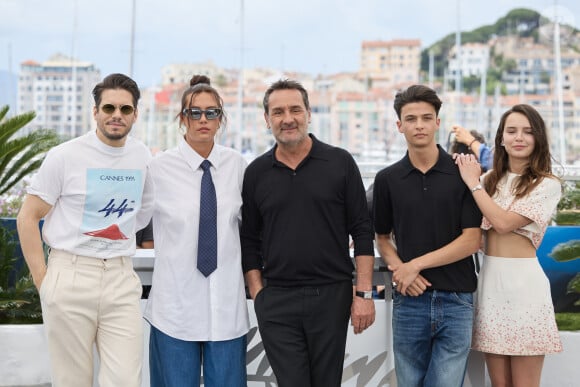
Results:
<point x="421" y="206"/>
<point x="301" y="201"/>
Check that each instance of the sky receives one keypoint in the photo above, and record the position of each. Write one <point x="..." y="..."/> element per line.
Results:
<point x="311" y="36"/>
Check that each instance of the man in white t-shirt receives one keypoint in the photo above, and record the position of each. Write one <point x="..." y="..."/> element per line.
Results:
<point x="94" y="193"/>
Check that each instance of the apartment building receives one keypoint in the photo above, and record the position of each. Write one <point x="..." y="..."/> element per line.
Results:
<point x="59" y="91"/>
<point x="388" y="63"/>
<point x="535" y="65"/>
<point x="471" y="60"/>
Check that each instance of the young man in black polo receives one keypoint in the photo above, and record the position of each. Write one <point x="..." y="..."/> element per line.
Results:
<point x="422" y="206"/>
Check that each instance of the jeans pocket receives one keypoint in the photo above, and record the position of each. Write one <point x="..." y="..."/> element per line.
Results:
<point x="397" y="298"/>
<point x="464" y="298"/>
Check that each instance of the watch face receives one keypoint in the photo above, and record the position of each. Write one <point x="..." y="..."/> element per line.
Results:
<point x="367" y="294"/>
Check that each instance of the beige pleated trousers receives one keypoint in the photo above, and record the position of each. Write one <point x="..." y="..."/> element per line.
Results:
<point x="90" y="301"/>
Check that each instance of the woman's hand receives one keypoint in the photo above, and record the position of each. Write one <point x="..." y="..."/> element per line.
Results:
<point x="469" y="168"/>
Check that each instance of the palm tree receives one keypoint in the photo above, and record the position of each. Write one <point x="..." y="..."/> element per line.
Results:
<point x="19" y="157"/>
<point x="22" y="155"/>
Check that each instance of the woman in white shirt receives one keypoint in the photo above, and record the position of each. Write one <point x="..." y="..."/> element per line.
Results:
<point x="198" y="318"/>
<point x="514" y="321"/>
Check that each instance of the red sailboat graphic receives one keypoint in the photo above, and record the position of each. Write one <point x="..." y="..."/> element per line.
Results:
<point x="112" y="232"/>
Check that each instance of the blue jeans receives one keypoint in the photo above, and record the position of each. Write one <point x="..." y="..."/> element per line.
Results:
<point x="177" y="363"/>
<point x="431" y="338"/>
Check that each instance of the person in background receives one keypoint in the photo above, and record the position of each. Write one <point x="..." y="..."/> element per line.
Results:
<point x="301" y="201"/>
<point x="197" y="304"/>
<point x="144" y="237"/>
<point x="144" y="240"/>
<point x="427" y="228"/>
<point x="514" y="317"/>
<point x="475" y="143"/>
<point x="94" y="193"/>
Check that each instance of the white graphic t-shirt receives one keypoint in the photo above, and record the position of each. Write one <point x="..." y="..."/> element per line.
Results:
<point x="100" y="196"/>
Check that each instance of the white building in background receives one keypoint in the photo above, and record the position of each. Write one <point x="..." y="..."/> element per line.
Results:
<point x="472" y="60"/>
<point x="181" y="73"/>
<point x="59" y="91"/>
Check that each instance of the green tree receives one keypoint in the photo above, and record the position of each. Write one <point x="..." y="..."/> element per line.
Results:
<point x="21" y="155"/>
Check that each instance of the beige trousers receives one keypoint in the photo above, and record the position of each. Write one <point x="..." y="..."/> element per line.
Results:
<point x="91" y="301"/>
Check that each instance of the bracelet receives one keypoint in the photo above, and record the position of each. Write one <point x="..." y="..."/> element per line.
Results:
<point x="474" y="140"/>
<point x="476" y="188"/>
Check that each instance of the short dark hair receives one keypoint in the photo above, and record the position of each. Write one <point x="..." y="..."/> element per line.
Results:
<point x="417" y="93"/>
<point x="117" y="81"/>
<point x="286" y="84"/>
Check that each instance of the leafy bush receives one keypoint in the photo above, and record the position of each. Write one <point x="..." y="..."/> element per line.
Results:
<point x="19" y="300"/>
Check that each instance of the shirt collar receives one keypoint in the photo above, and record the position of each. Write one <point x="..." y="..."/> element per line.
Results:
<point x="194" y="159"/>
<point x="317" y="151"/>
<point x="112" y="150"/>
<point x="444" y="164"/>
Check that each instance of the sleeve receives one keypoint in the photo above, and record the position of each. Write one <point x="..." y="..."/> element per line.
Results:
<point x="251" y="230"/>
<point x="357" y="212"/>
<point x="243" y="164"/>
<point x="47" y="183"/>
<point x="539" y="205"/>
<point x="382" y="213"/>
<point x="147" y="202"/>
<point x="485" y="157"/>
<point x="471" y="216"/>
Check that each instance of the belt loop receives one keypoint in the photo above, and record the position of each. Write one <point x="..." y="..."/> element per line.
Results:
<point x="74" y="259"/>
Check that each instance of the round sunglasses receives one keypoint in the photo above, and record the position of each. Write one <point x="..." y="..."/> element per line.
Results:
<point x="110" y="109"/>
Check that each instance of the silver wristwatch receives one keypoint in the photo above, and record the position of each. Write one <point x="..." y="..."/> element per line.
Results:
<point x="366" y="295"/>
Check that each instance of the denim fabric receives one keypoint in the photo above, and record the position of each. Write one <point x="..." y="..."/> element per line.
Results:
<point x="431" y="338"/>
<point x="177" y="363"/>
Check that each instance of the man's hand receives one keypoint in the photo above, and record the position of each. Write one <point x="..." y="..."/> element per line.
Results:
<point x="38" y="278"/>
<point x="254" y="282"/>
<point x="408" y="280"/>
<point x="362" y="314"/>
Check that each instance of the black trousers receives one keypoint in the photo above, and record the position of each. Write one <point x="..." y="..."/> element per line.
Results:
<point x="304" y="332"/>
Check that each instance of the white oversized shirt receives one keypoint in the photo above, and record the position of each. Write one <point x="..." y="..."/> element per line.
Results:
<point x="100" y="196"/>
<point x="183" y="303"/>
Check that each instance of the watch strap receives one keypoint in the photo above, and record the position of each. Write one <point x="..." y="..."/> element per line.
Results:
<point x="366" y="295"/>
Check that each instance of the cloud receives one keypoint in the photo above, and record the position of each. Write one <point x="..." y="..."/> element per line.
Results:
<point x="304" y="35"/>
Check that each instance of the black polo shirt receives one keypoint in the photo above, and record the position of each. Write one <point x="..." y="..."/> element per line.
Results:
<point x="296" y="223"/>
<point x="426" y="211"/>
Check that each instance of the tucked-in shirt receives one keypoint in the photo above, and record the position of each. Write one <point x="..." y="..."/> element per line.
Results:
<point x="296" y="223"/>
<point x="183" y="303"/>
<point x="100" y="196"/>
<point x="426" y="211"/>
<point x="539" y="205"/>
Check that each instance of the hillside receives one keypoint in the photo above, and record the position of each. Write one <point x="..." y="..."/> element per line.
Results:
<point x="521" y="22"/>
